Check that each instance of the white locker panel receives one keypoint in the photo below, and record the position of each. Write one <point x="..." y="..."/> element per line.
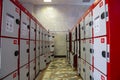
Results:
<point x="82" y="29"/>
<point x="89" y="73"/>
<point x="32" y="50"/>
<point x="78" y="49"/>
<point x="32" y="29"/>
<point x="32" y="70"/>
<point x="100" y="54"/>
<point x="78" y="31"/>
<point x="83" y="49"/>
<point x="88" y="25"/>
<point x="71" y="59"/>
<point x="99" y="19"/>
<point x="37" y="49"/>
<point x="9" y="50"/>
<point x="89" y="50"/>
<point x="73" y="34"/>
<point x="24" y="74"/>
<point x="10" y="19"/>
<point x="37" y="65"/>
<point x="40" y="47"/>
<point x="42" y="62"/>
<point x="24" y="26"/>
<point x="83" y="69"/>
<point x="13" y="76"/>
<point x="52" y="47"/>
<point x="79" y="66"/>
<point x="24" y="51"/>
<point x="73" y="46"/>
<point x="38" y="32"/>
<point x="98" y="75"/>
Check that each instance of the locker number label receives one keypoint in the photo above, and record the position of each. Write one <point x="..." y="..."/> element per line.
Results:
<point x="9" y="23"/>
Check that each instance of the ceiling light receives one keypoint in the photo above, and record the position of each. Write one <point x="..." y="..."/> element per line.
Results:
<point x="47" y="0"/>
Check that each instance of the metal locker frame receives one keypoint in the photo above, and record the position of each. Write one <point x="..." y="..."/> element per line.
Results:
<point x="100" y="54"/>
<point x="32" y="50"/>
<point x="32" y="70"/>
<point x="89" y="50"/>
<point x="8" y="65"/>
<point x="10" y="19"/>
<point x="24" y="72"/>
<point x="24" y="51"/>
<point x="99" y="19"/>
<point x="88" y="24"/>
<point x="25" y="26"/>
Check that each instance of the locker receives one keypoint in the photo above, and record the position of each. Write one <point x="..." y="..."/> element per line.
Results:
<point x="89" y="73"/>
<point x="99" y="19"/>
<point x="73" y="34"/>
<point x="88" y="25"/>
<point x="71" y="59"/>
<point x="83" y="49"/>
<point x="40" y="47"/>
<point x="100" y="54"/>
<point x="89" y="50"/>
<point x="78" y="31"/>
<point x="78" y="54"/>
<point x="38" y="32"/>
<point x="73" y="46"/>
<point x="9" y="50"/>
<point x="37" y="65"/>
<point x="24" y="26"/>
<point x="10" y="19"/>
<point x="13" y="76"/>
<point x="52" y="47"/>
<point x="32" y="70"/>
<point x="79" y="66"/>
<point x="98" y="75"/>
<point x="24" y="73"/>
<point x="82" y="29"/>
<point x="24" y="51"/>
<point x="32" y="29"/>
<point x="42" y="61"/>
<point x="76" y="47"/>
<point x="37" y="49"/>
<point x="83" y="69"/>
<point x="32" y="50"/>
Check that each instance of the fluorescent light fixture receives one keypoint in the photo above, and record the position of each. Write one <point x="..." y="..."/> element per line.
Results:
<point x="47" y="0"/>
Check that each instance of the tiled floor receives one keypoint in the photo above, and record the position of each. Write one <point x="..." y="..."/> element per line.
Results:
<point x="59" y="69"/>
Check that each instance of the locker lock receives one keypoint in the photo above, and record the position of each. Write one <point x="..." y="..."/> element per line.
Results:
<point x="28" y="50"/>
<point x="16" y="53"/>
<point x="83" y="48"/>
<point x="34" y="68"/>
<point x="44" y="60"/>
<point x="91" y="78"/>
<point x="27" y="74"/>
<point x="34" y="30"/>
<point x="103" y="15"/>
<point x="90" y="23"/>
<point x="34" y="49"/>
<point x="83" y="69"/>
<point x="28" y="26"/>
<point x="38" y="63"/>
<point x="104" y="54"/>
<point x="39" y="32"/>
<point x="91" y="50"/>
<point x="17" y="21"/>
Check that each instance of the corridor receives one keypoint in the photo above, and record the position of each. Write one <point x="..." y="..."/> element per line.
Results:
<point x="59" y="69"/>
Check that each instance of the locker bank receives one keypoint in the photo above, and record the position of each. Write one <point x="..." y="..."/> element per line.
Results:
<point x="59" y="40"/>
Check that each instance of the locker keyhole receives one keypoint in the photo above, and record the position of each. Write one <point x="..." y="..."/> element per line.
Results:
<point x="16" y="53"/>
<point x="17" y="21"/>
<point x="104" y="54"/>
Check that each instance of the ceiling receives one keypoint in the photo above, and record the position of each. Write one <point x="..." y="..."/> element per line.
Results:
<point x="59" y="2"/>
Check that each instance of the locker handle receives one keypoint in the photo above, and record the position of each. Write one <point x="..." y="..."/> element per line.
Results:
<point x="83" y="69"/>
<point x="34" y="68"/>
<point x="91" y="78"/>
<point x="27" y="74"/>
<point x="104" y="54"/>
<point x="83" y="48"/>
<point x="27" y="50"/>
<point x="34" y="49"/>
<point x="90" y="23"/>
<point x="28" y="26"/>
<point x="16" y="53"/>
<point x="39" y="32"/>
<point x="91" y="50"/>
<point x="103" y="15"/>
<point x="34" y="30"/>
<point x="17" y="21"/>
<point x="44" y="60"/>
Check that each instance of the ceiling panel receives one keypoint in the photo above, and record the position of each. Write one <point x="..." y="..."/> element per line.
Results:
<point x="59" y="2"/>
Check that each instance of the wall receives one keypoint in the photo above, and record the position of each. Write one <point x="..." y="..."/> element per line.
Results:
<point x="59" y="19"/>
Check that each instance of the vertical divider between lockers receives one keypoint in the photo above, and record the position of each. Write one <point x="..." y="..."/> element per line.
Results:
<point x="29" y="48"/>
